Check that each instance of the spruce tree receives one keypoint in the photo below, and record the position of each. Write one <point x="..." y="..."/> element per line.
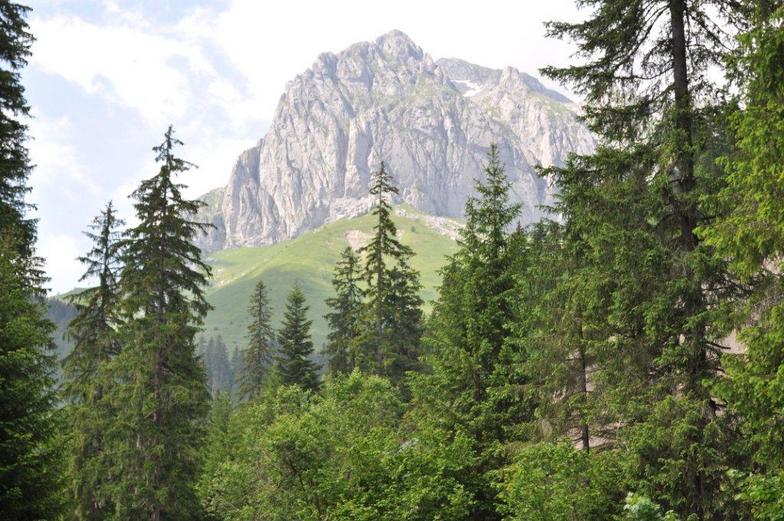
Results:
<point x="29" y="484"/>
<point x="389" y="333"/>
<point x="749" y="231"/>
<point x="15" y="42"/>
<point x="345" y="311"/>
<point x="216" y="362"/>
<point x="475" y="383"/>
<point x="259" y="355"/>
<point x="661" y="125"/>
<point x="95" y="342"/>
<point x="295" y="346"/>
<point x="28" y="423"/>
<point x="160" y="391"/>
<point x="472" y="317"/>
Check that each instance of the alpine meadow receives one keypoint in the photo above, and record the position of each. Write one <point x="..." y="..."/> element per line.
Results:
<point x="426" y="290"/>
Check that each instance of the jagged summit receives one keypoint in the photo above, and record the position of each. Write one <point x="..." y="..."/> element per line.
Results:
<point x="431" y="121"/>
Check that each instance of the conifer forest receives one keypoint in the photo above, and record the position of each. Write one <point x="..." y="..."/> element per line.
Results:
<point x="619" y="359"/>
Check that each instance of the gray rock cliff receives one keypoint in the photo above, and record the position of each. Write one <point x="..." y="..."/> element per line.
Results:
<point x="430" y="121"/>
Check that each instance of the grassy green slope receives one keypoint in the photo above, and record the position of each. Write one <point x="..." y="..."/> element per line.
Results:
<point x="309" y="260"/>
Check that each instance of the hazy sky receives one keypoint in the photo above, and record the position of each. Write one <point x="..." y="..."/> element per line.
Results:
<point x="107" y="77"/>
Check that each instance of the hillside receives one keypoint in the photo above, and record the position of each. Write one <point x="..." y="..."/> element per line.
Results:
<point x="309" y="260"/>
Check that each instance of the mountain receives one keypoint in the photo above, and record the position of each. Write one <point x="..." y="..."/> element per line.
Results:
<point x="431" y="121"/>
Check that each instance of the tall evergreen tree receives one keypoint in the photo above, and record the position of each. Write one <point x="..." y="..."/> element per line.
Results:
<point x="15" y="42"/>
<point x="345" y="311"/>
<point x="750" y="232"/>
<point x="29" y="484"/>
<point x="476" y="384"/>
<point x="650" y="100"/>
<point x="160" y="391"/>
<point x="217" y="364"/>
<point x="389" y="339"/>
<point x="28" y="463"/>
<point x="95" y="342"/>
<point x="295" y="345"/>
<point x="259" y="355"/>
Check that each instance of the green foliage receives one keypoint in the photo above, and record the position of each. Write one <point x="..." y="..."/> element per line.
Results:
<point x="650" y="298"/>
<point x="389" y="329"/>
<point x="93" y="332"/>
<point x="29" y="463"/>
<point x="557" y="482"/>
<point x="477" y="383"/>
<point x="217" y="449"/>
<point x="640" y="508"/>
<point x="293" y="363"/>
<point x="343" y="318"/>
<point x="220" y="369"/>
<point x="15" y="42"/>
<point x="159" y="389"/>
<point x="750" y="232"/>
<point x="340" y="455"/>
<point x="258" y="356"/>
<point x="29" y="445"/>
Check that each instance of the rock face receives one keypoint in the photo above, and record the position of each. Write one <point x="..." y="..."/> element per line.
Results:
<point x="431" y="122"/>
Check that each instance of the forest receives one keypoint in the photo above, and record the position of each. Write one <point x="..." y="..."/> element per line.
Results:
<point x="621" y="360"/>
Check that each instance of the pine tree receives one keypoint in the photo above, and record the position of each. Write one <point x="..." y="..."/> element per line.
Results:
<point x="472" y="317"/>
<point x="259" y="355"/>
<point x="638" y="197"/>
<point x="389" y="333"/>
<point x="345" y="311"/>
<point x="28" y="423"/>
<point x="95" y="342"/>
<point x="293" y="362"/>
<point x="160" y="391"/>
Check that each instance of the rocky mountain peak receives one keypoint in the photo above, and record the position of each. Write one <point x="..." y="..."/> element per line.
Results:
<point x="432" y="122"/>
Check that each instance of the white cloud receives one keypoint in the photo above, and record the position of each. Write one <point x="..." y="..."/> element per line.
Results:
<point x="56" y="165"/>
<point x="60" y="252"/>
<point x="132" y="67"/>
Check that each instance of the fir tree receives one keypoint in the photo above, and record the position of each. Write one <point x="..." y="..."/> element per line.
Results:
<point x="95" y="342"/>
<point x="650" y="100"/>
<point x="293" y="362"/>
<point x="475" y="383"/>
<point x="345" y="312"/>
<point x="217" y="365"/>
<point x="15" y="42"/>
<point x="750" y="232"/>
<point x="259" y="355"/>
<point x="236" y="364"/>
<point x="160" y="391"/>
<point x="28" y="456"/>
<point x="389" y="339"/>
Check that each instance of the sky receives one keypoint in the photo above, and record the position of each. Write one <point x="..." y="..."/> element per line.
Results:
<point x="107" y="77"/>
